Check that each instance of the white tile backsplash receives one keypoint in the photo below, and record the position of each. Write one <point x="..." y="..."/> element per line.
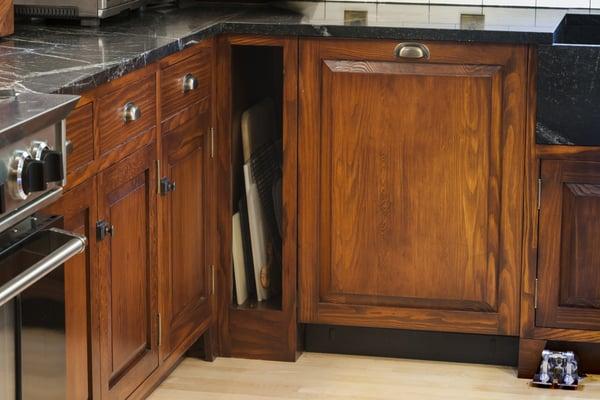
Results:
<point x="506" y="3"/>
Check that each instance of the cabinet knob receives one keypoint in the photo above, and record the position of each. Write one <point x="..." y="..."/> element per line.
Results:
<point x="414" y="51"/>
<point x="69" y="146"/>
<point x="131" y="112"/>
<point x="189" y="83"/>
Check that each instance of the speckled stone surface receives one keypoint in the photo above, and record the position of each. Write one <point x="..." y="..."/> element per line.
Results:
<point x="63" y="57"/>
<point x="568" y="87"/>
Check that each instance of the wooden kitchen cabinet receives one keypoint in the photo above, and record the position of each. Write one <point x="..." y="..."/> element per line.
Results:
<point x="78" y="208"/>
<point x="186" y="275"/>
<point x="568" y="252"/>
<point x="127" y="262"/>
<point x="411" y="185"/>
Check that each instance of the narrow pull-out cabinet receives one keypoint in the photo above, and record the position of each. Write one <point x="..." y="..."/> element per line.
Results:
<point x="251" y="70"/>
<point x="411" y="185"/>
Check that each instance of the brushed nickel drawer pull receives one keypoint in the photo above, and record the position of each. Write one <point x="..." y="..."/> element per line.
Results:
<point x="131" y="112"/>
<point x="415" y="51"/>
<point x="189" y="83"/>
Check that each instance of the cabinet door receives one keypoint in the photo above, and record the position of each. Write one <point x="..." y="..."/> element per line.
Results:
<point x="411" y="186"/>
<point x="127" y="261"/>
<point x="78" y="208"/>
<point x="185" y="307"/>
<point x="569" y="246"/>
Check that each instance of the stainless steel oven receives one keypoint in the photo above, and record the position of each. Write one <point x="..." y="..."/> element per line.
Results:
<point x="32" y="308"/>
<point x="33" y="247"/>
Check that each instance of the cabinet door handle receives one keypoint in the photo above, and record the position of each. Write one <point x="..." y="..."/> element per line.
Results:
<point x="189" y="83"/>
<point x="131" y="112"/>
<point x="104" y="228"/>
<point x="414" y="51"/>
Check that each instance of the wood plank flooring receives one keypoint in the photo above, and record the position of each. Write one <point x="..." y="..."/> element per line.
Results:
<point x="325" y="376"/>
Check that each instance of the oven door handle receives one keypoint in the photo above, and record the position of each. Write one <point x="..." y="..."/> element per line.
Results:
<point x="75" y="245"/>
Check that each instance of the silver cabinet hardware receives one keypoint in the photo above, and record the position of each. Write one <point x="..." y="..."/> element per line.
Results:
<point x="415" y="51"/>
<point x="159" y="330"/>
<point x="189" y="83"/>
<point x="131" y="112"/>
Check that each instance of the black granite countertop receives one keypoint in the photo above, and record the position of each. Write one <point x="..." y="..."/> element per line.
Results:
<point x="62" y="57"/>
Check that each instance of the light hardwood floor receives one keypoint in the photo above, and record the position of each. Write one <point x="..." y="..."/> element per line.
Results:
<point x="337" y="377"/>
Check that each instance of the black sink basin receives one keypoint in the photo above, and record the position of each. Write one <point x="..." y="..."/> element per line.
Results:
<point x="579" y="29"/>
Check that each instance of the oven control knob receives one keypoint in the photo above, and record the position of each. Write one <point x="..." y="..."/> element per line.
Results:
<point x="53" y="162"/>
<point x="34" y="179"/>
<point x="37" y="148"/>
<point x="25" y="175"/>
<point x="53" y="165"/>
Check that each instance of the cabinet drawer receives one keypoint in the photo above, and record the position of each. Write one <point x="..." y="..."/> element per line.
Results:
<point x="175" y="94"/>
<point x="80" y="133"/>
<point x="115" y="127"/>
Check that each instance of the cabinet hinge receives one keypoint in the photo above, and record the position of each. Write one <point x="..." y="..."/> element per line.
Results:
<point x="539" y="194"/>
<point x="535" y="294"/>
<point x="212" y="142"/>
<point x="158" y="177"/>
<point x="212" y="280"/>
<point x="159" y="329"/>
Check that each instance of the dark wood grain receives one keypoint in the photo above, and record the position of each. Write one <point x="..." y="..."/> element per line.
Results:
<point x="530" y="355"/>
<point x="7" y="18"/>
<point x="185" y="271"/>
<point x="568" y="269"/>
<point x="80" y="131"/>
<point x="78" y="208"/>
<point x="173" y="98"/>
<point x="112" y="129"/>
<point x="416" y="218"/>
<point x="128" y="262"/>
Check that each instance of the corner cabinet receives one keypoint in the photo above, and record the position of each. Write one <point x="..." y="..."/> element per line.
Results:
<point x="411" y="185"/>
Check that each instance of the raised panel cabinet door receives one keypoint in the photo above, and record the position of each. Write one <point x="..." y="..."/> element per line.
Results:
<point x="128" y="262"/>
<point x="411" y="186"/>
<point x="78" y="208"/>
<point x="569" y="246"/>
<point x="185" y="306"/>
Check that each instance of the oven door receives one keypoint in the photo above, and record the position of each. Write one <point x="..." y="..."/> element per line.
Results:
<point x="32" y="308"/>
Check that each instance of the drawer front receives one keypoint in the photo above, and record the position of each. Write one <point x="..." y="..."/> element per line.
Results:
<point x="126" y="113"/>
<point x="80" y="133"/>
<point x="175" y="94"/>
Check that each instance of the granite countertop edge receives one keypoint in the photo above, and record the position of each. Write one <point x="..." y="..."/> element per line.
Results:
<point x="271" y="23"/>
